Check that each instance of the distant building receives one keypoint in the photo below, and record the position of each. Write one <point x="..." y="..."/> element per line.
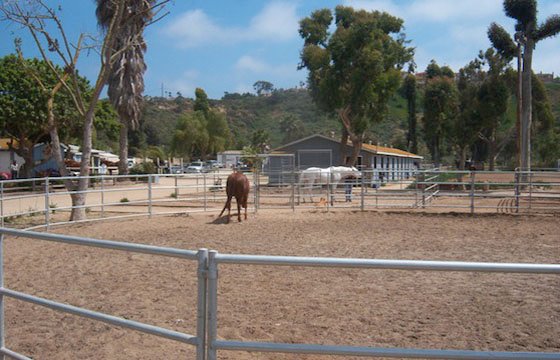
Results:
<point x="322" y="151"/>
<point x="545" y="78"/>
<point x="7" y="155"/>
<point x="229" y="158"/>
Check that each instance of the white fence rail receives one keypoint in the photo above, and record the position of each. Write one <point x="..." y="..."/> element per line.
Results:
<point x="206" y="341"/>
<point x="45" y="202"/>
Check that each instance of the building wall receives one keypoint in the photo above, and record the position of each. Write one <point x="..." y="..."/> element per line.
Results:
<point x="6" y="158"/>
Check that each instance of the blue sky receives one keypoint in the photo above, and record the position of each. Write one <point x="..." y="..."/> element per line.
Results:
<point x="225" y="46"/>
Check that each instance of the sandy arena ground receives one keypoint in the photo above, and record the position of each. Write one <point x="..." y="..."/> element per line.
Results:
<point x="508" y="312"/>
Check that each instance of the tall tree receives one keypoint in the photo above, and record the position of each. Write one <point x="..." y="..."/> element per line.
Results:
<point x="528" y="33"/>
<point x="356" y="70"/>
<point x="126" y="79"/>
<point x="201" y="132"/>
<point x="467" y="125"/>
<point x="493" y="99"/>
<point x="263" y="87"/>
<point x="50" y="38"/>
<point x="409" y="92"/>
<point x="24" y="105"/>
<point x="440" y="111"/>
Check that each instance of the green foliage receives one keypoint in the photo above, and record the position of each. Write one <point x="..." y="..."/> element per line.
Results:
<point x="124" y="200"/>
<point x="263" y="87"/>
<point x="147" y="167"/>
<point x="23" y="104"/>
<point x="440" y="111"/>
<point x="260" y="140"/>
<point x="356" y="70"/>
<point x="292" y="127"/>
<point x="201" y="132"/>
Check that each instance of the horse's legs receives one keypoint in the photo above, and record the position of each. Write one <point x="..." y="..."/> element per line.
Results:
<point x="244" y="204"/>
<point x="237" y="200"/>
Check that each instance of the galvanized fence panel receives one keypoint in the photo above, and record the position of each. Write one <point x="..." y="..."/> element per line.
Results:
<point x="45" y="202"/>
<point x="198" y="340"/>
<point x="214" y="259"/>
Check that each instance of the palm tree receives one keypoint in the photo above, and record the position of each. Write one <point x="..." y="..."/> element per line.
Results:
<point x="528" y="34"/>
<point x="126" y="81"/>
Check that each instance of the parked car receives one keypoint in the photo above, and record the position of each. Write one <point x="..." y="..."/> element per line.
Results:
<point x="196" y="167"/>
<point x="213" y="165"/>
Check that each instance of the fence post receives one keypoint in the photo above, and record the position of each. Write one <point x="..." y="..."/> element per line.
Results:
<point x="530" y="189"/>
<point x="293" y="189"/>
<point x="255" y="189"/>
<point x="2" y="335"/>
<point x="329" y="198"/>
<point x="103" y="196"/>
<point x="472" y="192"/>
<point x="423" y="178"/>
<point x="204" y="190"/>
<point x="175" y="176"/>
<point x="212" y="304"/>
<point x="516" y="191"/>
<point x="2" y="202"/>
<point x="47" y="204"/>
<point x="362" y="192"/>
<point x="201" y="306"/>
<point x="150" y="195"/>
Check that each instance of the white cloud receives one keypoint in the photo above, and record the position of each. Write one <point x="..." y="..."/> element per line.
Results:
<point x="249" y="63"/>
<point x="252" y="65"/>
<point x="185" y="83"/>
<point x="276" y="22"/>
<point x="418" y="11"/>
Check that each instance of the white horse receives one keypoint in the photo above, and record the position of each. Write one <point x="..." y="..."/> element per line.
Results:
<point x="330" y="177"/>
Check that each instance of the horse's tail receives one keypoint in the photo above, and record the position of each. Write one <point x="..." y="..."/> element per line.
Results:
<point x="228" y="202"/>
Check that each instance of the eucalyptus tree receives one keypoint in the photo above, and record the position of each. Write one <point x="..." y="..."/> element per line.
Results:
<point x="409" y="93"/>
<point x="493" y="99"/>
<point x="528" y="33"/>
<point x="355" y="70"/>
<point x="126" y="79"/>
<point x="440" y="112"/>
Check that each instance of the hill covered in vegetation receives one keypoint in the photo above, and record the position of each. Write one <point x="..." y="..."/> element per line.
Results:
<point x="274" y="112"/>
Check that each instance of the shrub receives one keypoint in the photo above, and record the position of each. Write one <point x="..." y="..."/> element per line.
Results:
<point x="143" y="168"/>
<point x="124" y="200"/>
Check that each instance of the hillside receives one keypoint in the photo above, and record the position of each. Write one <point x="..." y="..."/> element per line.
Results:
<point x="247" y="113"/>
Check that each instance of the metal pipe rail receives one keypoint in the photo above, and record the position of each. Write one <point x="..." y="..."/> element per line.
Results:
<point x="199" y="341"/>
<point x="214" y="344"/>
<point x="109" y="319"/>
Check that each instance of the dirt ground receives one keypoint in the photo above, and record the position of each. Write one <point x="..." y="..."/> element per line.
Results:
<point x="507" y="312"/>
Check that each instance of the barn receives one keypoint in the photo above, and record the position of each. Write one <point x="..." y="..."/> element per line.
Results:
<point x="388" y="164"/>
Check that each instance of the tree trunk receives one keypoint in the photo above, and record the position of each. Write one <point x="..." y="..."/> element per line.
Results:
<point x="123" y="149"/>
<point x="519" y="90"/>
<point x="343" y="142"/>
<point x="492" y="153"/>
<point x="356" y="148"/>
<point x="28" y="158"/>
<point x="526" y="114"/>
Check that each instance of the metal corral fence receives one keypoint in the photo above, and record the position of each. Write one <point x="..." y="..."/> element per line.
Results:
<point x="200" y="256"/>
<point x="206" y="341"/>
<point x="38" y="202"/>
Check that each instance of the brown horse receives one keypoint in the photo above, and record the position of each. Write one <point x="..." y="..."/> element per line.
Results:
<point x="237" y="185"/>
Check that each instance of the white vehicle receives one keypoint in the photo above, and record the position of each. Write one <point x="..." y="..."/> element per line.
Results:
<point x="196" y="167"/>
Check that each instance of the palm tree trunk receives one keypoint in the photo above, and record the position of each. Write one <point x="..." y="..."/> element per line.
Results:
<point x="526" y="114"/>
<point x="123" y="149"/>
